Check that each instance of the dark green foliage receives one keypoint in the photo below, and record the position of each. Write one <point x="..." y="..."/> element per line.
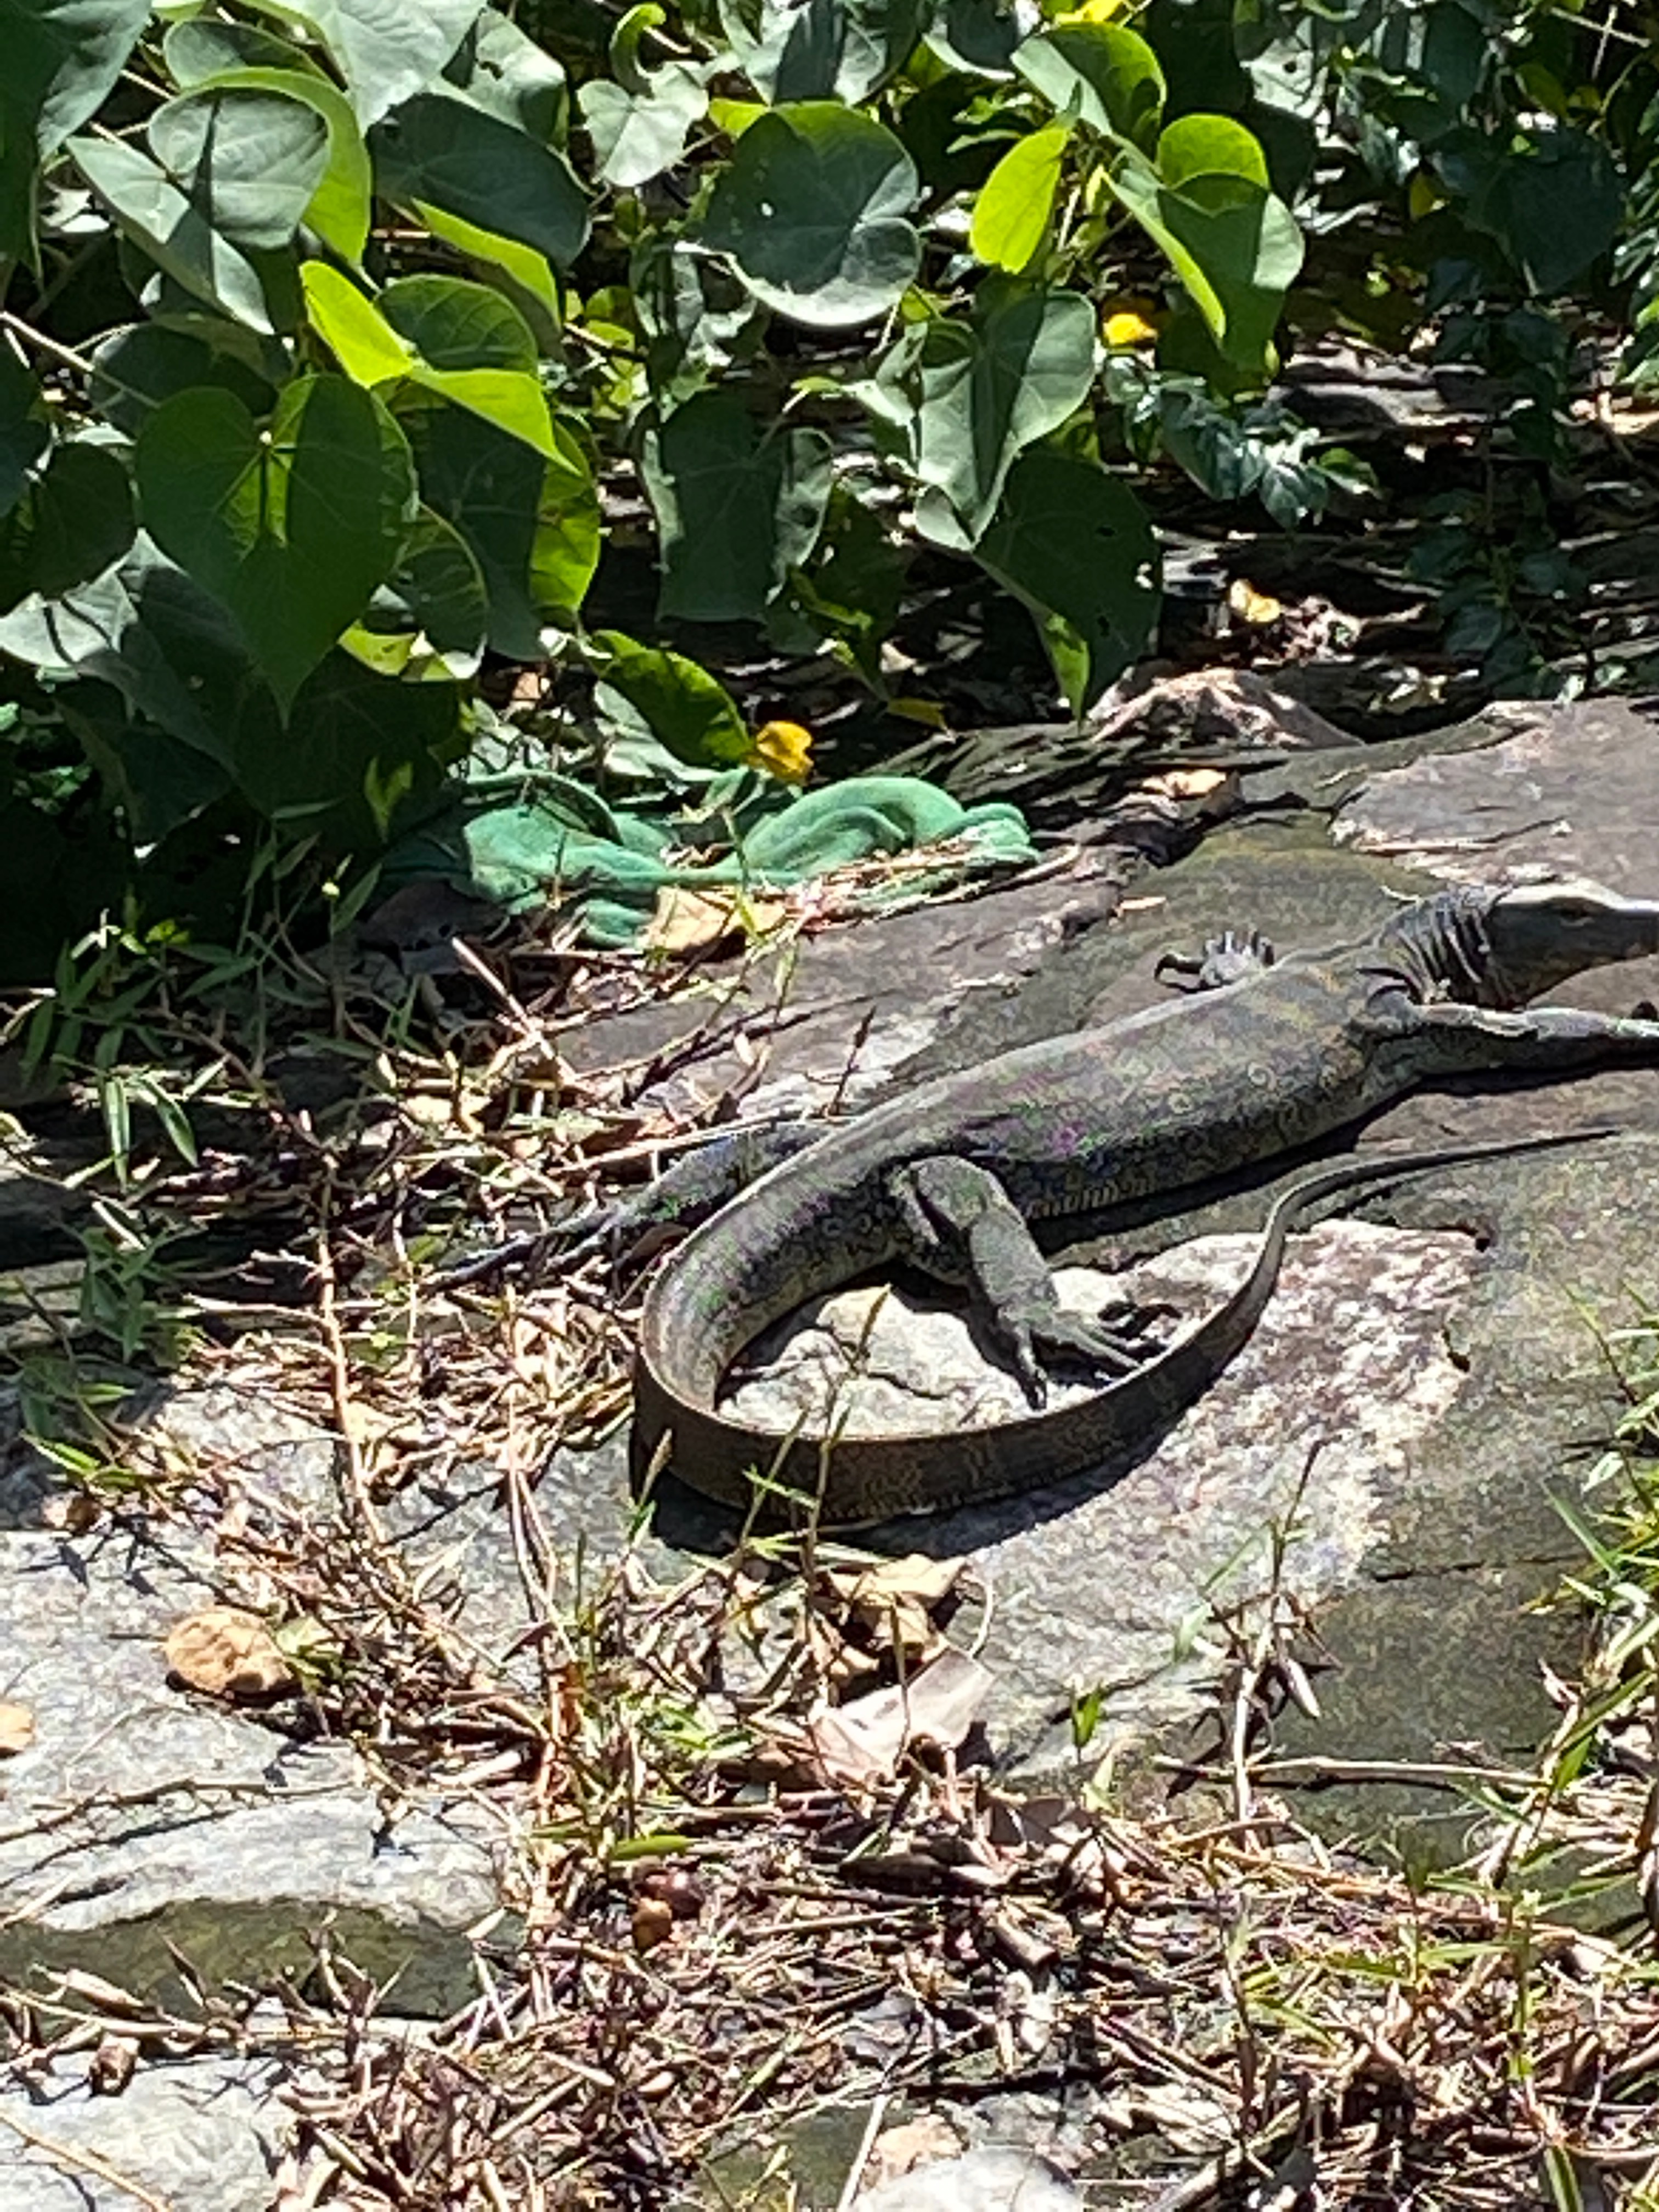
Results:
<point x="322" y="333"/>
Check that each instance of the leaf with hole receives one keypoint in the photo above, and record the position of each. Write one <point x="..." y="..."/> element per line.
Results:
<point x="148" y="631"/>
<point x="814" y="211"/>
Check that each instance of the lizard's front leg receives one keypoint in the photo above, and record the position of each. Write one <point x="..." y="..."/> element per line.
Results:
<point x="1226" y="959"/>
<point x="957" y="1223"/>
<point x="1541" y="1038"/>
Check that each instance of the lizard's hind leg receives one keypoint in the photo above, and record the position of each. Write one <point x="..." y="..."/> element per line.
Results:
<point x="957" y="1223"/>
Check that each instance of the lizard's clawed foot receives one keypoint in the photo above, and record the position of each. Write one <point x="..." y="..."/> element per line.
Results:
<point x="1113" y="1348"/>
<point x="1225" y="959"/>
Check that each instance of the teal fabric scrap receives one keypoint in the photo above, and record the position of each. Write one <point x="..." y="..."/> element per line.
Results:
<point x="556" y="837"/>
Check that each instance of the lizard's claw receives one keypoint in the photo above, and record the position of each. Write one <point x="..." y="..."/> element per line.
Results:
<point x="1113" y="1350"/>
<point x="1091" y="1341"/>
<point x="1225" y="959"/>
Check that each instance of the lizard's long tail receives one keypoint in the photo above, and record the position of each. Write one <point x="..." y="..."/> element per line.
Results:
<point x="852" y="1481"/>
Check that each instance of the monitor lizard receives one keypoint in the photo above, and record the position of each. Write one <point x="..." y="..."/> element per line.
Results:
<point x="1269" y="1057"/>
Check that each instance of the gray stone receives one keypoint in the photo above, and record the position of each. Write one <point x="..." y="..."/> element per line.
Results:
<point x="199" y="2135"/>
<point x="1567" y="790"/>
<point x="37" y="1216"/>
<point x="989" y="2180"/>
<point x="833" y="1015"/>
<point x="144" y="1814"/>
<point x="1306" y="1462"/>
<point x="1421" y="1387"/>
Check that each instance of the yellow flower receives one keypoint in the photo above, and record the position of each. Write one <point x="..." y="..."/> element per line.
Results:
<point x="1247" y="604"/>
<point x="1129" y="323"/>
<point x="785" y="749"/>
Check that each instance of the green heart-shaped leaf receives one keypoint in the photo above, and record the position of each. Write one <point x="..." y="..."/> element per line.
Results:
<point x="293" y="528"/>
<point x="738" y="505"/>
<point x="1011" y="216"/>
<point x="814" y="210"/>
<point x="1075" y="545"/>
<point x="62" y="58"/>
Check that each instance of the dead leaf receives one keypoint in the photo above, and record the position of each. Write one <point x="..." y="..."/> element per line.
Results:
<point x="1182" y="2111"/>
<point x="1024" y="1943"/>
<point x="1185" y="783"/>
<point x="1130" y="321"/>
<point x="676" y="1888"/>
<point x="836" y="1661"/>
<point x="1249" y="605"/>
<point x="696" y="922"/>
<point x="898" y="2151"/>
<point x="1026" y="2013"/>
<point x="433" y="1106"/>
<point x="784" y="748"/>
<point x="867" y="1740"/>
<point x="112" y="2066"/>
<point x="16" y="1729"/>
<point x="892" y="1603"/>
<point x="227" y="1653"/>
<point x="915" y="1577"/>
<point x="108" y="1996"/>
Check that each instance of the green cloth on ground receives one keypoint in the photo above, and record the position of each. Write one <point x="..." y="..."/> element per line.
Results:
<point x="555" y="835"/>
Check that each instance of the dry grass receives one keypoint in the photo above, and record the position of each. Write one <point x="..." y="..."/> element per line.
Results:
<point x="703" y="1938"/>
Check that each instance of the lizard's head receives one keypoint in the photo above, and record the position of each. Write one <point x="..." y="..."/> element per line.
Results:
<point x="1538" y="934"/>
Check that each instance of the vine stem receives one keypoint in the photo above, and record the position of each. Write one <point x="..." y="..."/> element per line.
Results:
<point x="82" y="363"/>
